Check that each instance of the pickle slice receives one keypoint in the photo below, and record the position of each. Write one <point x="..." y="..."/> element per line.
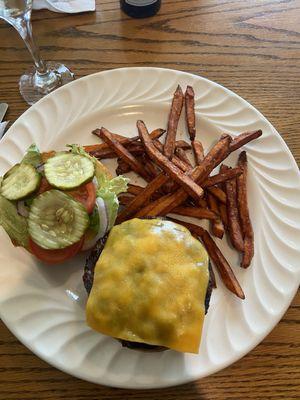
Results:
<point x="56" y="220"/>
<point x="68" y="171"/>
<point x="20" y="181"/>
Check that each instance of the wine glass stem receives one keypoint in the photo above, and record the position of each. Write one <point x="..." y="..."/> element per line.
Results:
<point x="24" y="28"/>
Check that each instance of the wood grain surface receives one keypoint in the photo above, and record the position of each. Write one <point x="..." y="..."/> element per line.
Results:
<point x="251" y="47"/>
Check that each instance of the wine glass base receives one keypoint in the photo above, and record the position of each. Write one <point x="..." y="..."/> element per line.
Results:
<point x="34" y="86"/>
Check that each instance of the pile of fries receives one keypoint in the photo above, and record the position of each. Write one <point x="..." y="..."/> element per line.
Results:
<point x="175" y="185"/>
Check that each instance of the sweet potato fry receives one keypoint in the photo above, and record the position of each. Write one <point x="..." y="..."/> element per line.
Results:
<point x="169" y="187"/>
<point x="122" y="139"/>
<point x="223" y="214"/>
<point x="124" y="153"/>
<point x="102" y="154"/>
<point x="152" y="169"/>
<point x="203" y="203"/>
<point x="218" y="193"/>
<point x="124" y="199"/>
<point x="161" y="206"/>
<point x="221" y="177"/>
<point x="222" y="206"/>
<point x="222" y="265"/>
<point x="236" y="143"/>
<point x="248" y="251"/>
<point x="176" y="161"/>
<point x="122" y="167"/>
<point x="142" y="198"/>
<point x="244" y="138"/>
<point x="189" y="98"/>
<point x="99" y="147"/>
<point x="134" y="148"/>
<point x="213" y="158"/>
<point x="174" y="116"/>
<point x="219" y="152"/>
<point x="217" y="257"/>
<point x="217" y="227"/>
<point x="156" y="134"/>
<point x="212" y="276"/>
<point x="191" y="124"/>
<point x="166" y="203"/>
<point x="182" y="144"/>
<point x="195" y="212"/>
<point x="244" y="212"/>
<point x="134" y="189"/>
<point x="175" y="173"/>
<point x="198" y="151"/>
<point x="147" y="210"/>
<point x="234" y="226"/>
<point x="180" y="153"/>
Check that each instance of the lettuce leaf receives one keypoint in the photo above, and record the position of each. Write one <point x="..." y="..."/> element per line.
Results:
<point x="77" y="149"/>
<point x="32" y="156"/>
<point x="94" y="220"/>
<point x="14" y="224"/>
<point x="116" y="185"/>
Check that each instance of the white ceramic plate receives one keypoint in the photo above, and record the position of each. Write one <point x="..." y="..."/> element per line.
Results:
<point x="44" y="305"/>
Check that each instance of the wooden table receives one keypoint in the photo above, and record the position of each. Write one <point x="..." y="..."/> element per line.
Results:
<point x="251" y="47"/>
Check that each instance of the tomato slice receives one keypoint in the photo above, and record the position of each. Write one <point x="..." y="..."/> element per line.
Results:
<point x="85" y="194"/>
<point x="55" y="256"/>
<point x="44" y="186"/>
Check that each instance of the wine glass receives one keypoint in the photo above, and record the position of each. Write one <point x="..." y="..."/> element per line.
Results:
<point x="44" y="77"/>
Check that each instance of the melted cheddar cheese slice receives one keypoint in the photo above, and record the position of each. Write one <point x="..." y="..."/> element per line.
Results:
<point x="150" y="284"/>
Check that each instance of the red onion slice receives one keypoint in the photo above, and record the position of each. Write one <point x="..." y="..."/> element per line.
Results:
<point x="22" y="209"/>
